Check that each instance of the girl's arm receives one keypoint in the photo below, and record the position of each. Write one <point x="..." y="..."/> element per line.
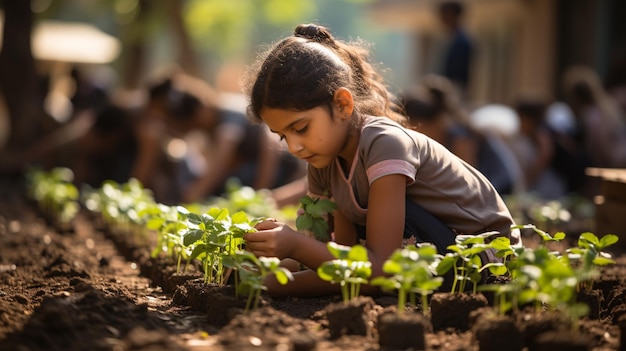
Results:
<point x="385" y="228"/>
<point x="385" y="219"/>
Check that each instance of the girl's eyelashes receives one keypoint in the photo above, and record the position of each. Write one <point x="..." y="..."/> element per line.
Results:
<point x="297" y="131"/>
<point x="301" y="130"/>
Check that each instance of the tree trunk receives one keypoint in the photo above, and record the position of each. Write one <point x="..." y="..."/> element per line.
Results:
<point x="187" y="57"/>
<point x="18" y="78"/>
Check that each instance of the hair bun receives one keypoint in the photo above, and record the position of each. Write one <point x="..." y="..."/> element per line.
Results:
<point x="312" y="32"/>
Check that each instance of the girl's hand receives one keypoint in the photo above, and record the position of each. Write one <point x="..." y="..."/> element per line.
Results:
<point x="273" y="239"/>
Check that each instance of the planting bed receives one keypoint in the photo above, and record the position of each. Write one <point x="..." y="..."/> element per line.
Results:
<point x="89" y="289"/>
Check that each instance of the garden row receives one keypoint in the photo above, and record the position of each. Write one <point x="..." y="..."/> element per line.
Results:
<point x="207" y="241"/>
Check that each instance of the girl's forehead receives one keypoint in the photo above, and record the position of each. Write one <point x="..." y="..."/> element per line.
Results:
<point x="279" y="120"/>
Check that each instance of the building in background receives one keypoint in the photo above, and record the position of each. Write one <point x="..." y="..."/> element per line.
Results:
<point x="522" y="47"/>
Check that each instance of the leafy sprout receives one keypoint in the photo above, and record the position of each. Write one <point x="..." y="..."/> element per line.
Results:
<point x="465" y="262"/>
<point x="411" y="270"/>
<point x="252" y="272"/>
<point x="590" y="253"/>
<point x="349" y="269"/>
<point x="54" y="192"/>
<point x="215" y="235"/>
<point x="315" y="216"/>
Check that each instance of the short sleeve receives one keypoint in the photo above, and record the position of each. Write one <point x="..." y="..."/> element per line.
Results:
<point x="389" y="150"/>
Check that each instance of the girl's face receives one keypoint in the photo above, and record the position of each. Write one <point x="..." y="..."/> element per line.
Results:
<point x="312" y="135"/>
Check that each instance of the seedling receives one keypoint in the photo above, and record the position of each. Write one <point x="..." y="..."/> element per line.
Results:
<point x="590" y="255"/>
<point x="55" y="193"/>
<point x="411" y="270"/>
<point x="252" y="272"/>
<point x="254" y="202"/>
<point x="465" y="261"/>
<point x="315" y="217"/>
<point x="350" y="268"/>
<point x="215" y="235"/>
<point x="121" y="206"/>
<point x="169" y="222"/>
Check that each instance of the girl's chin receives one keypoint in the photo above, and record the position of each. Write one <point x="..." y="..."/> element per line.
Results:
<point x="317" y="163"/>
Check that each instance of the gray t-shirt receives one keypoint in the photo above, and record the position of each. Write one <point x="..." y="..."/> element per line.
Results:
<point x="439" y="181"/>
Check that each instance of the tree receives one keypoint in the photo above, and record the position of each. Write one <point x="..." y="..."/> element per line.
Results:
<point x="18" y="78"/>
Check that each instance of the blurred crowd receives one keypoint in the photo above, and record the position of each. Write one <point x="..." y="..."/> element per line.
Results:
<point x="184" y="139"/>
<point x="178" y="135"/>
<point x="531" y="145"/>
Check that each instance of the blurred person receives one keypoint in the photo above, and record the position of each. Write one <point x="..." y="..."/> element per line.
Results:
<point x="108" y="149"/>
<point x="600" y="123"/>
<point x="234" y="147"/>
<point x="434" y="109"/>
<point x="535" y="149"/>
<point x="87" y="94"/>
<point x="54" y="147"/>
<point x="616" y="77"/>
<point x="570" y="159"/>
<point x="458" y="53"/>
<point x="153" y="167"/>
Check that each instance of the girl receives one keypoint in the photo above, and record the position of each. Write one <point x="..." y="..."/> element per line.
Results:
<point x="392" y="185"/>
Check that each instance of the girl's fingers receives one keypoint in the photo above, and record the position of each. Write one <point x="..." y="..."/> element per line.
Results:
<point x="269" y="223"/>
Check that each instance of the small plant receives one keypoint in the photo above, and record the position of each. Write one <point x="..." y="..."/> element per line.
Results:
<point x="237" y="198"/>
<point x="465" y="261"/>
<point x="213" y="236"/>
<point x="252" y="271"/>
<point x="350" y="268"/>
<point x="121" y="206"/>
<point x="589" y="253"/>
<point x="55" y="193"/>
<point x="411" y="270"/>
<point x="169" y="222"/>
<point x="315" y="217"/>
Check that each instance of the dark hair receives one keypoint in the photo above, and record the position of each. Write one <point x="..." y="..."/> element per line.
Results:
<point x="160" y="89"/>
<point x="111" y="119"/>
<point x="453" y="7"/>
<point x="532" y="109"/>
<point x="187" y="94"/>
<point x="434" y="96"/>
<point x="303" y="71"/>
<point x="182" y="105"/>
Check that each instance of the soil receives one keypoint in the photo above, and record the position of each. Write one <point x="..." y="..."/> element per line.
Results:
<point x="87" y="288"/>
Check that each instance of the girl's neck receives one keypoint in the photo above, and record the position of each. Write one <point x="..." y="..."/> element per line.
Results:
<point x="351" y="145"/>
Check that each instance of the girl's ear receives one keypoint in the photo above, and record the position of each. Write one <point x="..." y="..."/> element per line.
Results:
<point x="344" y="102"/>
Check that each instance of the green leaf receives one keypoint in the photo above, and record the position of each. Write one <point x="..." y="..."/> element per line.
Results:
<point x="304" y="222"/>
<point x="608" y="240"/>
<point x="392" y="267"/>
<point x="497" y="270"/>
<point x="603" y="261"/>
<point x="194" y="218"/>
<point x="338" y="251"/>
<point x="320" y="230"/>
<point x="358" y="253"/>
<point x="192" y="236"/>
<point x="447" y="263"/>
<point x="283" y="275"/>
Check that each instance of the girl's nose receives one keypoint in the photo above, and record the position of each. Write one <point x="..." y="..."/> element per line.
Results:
<point x="294" y="145"/>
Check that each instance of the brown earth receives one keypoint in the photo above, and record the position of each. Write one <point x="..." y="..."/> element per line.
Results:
<point x="87" y="289"/>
